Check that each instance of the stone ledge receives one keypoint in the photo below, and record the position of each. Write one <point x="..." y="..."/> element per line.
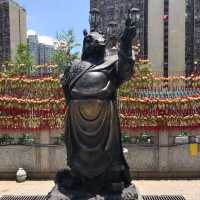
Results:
<point x="136" y="175"/>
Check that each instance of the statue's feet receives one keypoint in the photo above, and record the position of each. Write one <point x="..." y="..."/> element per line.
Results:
<point x="64" y="179"/>
<point x="130" y="193"/>
<point x="56" y="194"/>
<point x="97" y="197"/>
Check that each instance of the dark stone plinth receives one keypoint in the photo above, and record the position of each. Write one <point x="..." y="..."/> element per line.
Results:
<point x="70" y="188"/>
<point x="57" y="193"/>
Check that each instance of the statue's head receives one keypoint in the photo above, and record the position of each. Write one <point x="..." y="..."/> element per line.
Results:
<point x="94" y="45"/>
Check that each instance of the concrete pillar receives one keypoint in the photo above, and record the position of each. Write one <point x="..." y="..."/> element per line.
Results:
<point x="163" y="151"/>
<point x="176" y="47"/>
<point x="44" y="151"/>
<point x="155" y="34"/>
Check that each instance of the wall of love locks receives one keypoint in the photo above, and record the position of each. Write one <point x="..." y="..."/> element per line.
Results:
<point x="33" y="104"/>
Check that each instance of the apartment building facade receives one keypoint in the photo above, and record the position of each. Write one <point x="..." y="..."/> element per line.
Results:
<point x="13" y="29"/>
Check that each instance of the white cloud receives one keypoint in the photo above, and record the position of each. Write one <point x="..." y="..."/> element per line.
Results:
<point x="46" y="40"/>
<point x="31" y="32"/>
<point x="42" y="38"/>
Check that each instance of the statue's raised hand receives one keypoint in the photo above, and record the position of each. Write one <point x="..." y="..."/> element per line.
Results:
<point x="130" y="30"/>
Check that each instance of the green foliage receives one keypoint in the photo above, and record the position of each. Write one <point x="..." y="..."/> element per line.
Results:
<point x="183" y="134"/>
<point x="64" y="54"/>
<point x="126" y="138"/>
<point x="144" y="138"/>
<point x="7" y="67"/>
<point x="142" y="70"/>
<point x="26" y="139"/>
<point x="23" y="62"/>
<point x="62" y="138"/>
<point x="142" y="78"/>
<point x="59" y="140"/>
<point x="126" y="90"/>
<point x="6" y="139"/>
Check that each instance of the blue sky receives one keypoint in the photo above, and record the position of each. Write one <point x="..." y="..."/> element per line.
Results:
<point x="48" y="16"/>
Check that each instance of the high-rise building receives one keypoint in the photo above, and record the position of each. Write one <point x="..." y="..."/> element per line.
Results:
<point x="192" y="36"/>
<point x="189" y="56"/>
<point x="41" y="53"/>
<point x="32" y="42"/>
<point x="166" y="36"/>
<point x="46" y="53"/>
<point x="12" y="29"/>
<point x="197" y="33"/>
<point x="165" y="33"/>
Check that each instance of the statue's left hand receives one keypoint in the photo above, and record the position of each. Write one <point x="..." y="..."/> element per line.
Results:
<point x="129" y="31"/>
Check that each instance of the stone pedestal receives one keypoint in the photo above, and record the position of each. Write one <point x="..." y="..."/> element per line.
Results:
<point x="69" y="188"/>
<point x="62" y="194"/>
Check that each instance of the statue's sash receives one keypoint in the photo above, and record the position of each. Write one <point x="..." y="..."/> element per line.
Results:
<point x="108" y="62"/>
<point x="78" y="76"/>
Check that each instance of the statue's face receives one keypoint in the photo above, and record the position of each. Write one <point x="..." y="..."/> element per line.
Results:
<point x="94" y="44"/>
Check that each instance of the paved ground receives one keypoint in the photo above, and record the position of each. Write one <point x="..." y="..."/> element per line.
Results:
<point x="189" y="189"/>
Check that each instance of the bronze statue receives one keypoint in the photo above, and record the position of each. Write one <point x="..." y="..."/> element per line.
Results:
<point x="92" y="129"/>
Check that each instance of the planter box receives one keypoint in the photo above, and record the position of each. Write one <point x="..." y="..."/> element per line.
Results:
<point x="181" y="140"/>
<point x="197" y="139"/>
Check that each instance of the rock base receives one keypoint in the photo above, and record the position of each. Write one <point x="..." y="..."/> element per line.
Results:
<point x="130" y="193"/>
<point x="70" y="187"/>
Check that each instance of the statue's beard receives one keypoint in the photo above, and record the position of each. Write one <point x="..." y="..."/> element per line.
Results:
<point x="95" y="54"/>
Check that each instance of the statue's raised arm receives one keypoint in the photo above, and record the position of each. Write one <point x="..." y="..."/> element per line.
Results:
<point x="126" y="59"/>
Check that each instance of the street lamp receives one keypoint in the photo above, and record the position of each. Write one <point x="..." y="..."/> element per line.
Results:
<point x="94" y="19"/>
<point x="195" y="67"/>
<point x="112" y="31"/>
<point x="134" y="16"/>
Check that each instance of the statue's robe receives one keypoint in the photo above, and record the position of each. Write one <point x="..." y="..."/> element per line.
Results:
<point x="92" y="128"/>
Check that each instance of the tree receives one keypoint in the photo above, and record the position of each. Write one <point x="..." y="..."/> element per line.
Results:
<point x="24" y="62"/>
<point x="65" y="44"/>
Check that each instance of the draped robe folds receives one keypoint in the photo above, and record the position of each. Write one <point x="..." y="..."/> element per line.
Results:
<point x="92" y="128"/>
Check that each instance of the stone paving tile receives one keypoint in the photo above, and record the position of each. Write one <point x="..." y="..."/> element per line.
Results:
<point x="26" y="188"/>
<point x="190" y="189"/>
